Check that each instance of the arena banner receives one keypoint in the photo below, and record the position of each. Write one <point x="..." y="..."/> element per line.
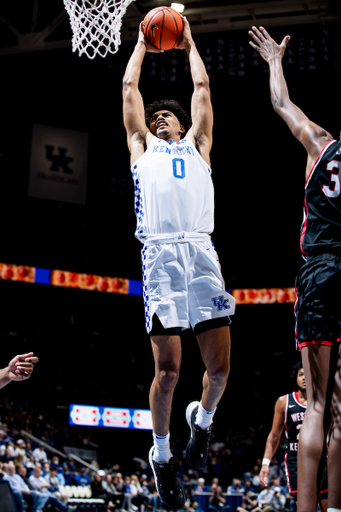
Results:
<point x="92" y="282"/>
<point x="58" y="166"/>
<point x="112" y="417"/>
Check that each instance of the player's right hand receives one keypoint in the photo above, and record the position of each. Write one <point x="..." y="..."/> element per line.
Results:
<point x="263" y="475"/>
<point x="142" y="38"/>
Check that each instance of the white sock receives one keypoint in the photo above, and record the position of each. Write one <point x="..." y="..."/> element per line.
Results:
<point x="204" y="418"/>
<point x="162" y="451"/>
<point x="333" y="509"/>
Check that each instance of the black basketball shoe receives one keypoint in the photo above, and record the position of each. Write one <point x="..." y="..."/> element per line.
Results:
<point x="197" y="447"/>
<point x="168" y="485"/>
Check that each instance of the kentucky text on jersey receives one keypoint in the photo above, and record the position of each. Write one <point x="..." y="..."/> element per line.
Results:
<point x="177" y="151"/>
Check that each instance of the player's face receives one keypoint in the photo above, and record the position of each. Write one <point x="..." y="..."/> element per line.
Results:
<point x="301" y="379"/>
<point x="164" y="124"/>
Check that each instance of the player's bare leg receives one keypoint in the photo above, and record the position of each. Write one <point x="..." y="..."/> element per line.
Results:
<point x="323" y="505"/>
<point x="312" y="442"/>
<point x="334" y="467"/>
<point x="167" y="358"/>
<point x="215" y="348"/>
<point x="215" y="352"/>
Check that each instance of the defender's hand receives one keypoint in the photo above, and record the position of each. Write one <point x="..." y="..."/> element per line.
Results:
<point x="21" y="367"/>
<point x="265" y="45"/>
<point x="263" y="475"/>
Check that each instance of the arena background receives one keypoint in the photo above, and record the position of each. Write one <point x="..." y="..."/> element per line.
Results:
<point x="92" y="346"/>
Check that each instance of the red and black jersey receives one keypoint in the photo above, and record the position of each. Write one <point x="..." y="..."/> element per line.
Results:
<point x="321" y="229"/>
<point x="293" y="419"/>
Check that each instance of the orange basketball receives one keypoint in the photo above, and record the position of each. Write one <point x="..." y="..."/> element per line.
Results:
<point x="163" y="27"/>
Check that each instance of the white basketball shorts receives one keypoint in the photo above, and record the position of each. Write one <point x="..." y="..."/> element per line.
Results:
<point x="182" y="281"/>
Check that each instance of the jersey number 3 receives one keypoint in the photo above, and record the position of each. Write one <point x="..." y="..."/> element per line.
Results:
<point x="335" y="192"/>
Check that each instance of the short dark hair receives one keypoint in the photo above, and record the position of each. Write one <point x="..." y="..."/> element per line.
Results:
<point x="174" y="107"/>
<point x="295" y="371"/>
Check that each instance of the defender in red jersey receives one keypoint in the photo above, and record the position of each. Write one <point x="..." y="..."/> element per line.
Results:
<point x="289" y="414"/>
<point x="318" y="306"/>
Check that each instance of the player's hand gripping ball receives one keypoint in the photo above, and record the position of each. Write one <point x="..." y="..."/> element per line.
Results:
<point x="163" y="28"/>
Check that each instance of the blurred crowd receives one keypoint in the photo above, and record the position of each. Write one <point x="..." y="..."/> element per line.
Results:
<point x="39" y="477"/>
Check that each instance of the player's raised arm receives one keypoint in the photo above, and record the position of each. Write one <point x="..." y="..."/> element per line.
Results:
<point x="133" y="108"/>
<point x="201" y="108"/>
<point x="273" y="439"/>
<point x="312" y="136"/>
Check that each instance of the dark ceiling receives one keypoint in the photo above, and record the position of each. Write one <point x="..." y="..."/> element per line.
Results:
<point x="39" y="25"/>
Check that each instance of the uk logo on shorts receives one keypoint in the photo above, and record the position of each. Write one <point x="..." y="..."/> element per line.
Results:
<point x="220" y="303"/>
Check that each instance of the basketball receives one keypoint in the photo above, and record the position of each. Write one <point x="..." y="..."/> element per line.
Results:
<point x="163" y="27"/>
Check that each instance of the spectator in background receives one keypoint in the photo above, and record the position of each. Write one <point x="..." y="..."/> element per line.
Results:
<point x="278" y="500"/>
<point x="60" y="476"/>
<point x="199" y="497"/>
<point x="82" y="478"/>
<point x="28" y="449"/>
<point x="54" y="485"/>
<point x="265" y="497"/>
<point x="255" y="480"/>
<point x="154" y="498"/>
<point x="94" y="469"/>
<point x="39" y="483"/>
<point x="21" y="491"/>
<point x="119" y="482"/>
<point x="236" y="487"/>
<point x="6" y="450"/>
<point x="249" y="503"/>
<point x="20" y="449"/>
<point x="39" y="454"/>
<point x="46" y="469"/>
<point x="217" y="502"/>
<point x="114" y="498"/>
<point x="67" y="474"/>
<point x="55" y="462"/>
<point x="97" y="487"/>
<point x="201" y="487"/>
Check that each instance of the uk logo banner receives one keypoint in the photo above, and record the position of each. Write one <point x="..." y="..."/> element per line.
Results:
<point x="58" y="166"/>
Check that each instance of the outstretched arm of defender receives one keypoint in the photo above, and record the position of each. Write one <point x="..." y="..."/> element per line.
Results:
<point x="19" y="368"/>
<point x="312" y="136"/>
<point x="201" y="108"/>
<point x="133" y="108"/>
<point x="273" y="439"/>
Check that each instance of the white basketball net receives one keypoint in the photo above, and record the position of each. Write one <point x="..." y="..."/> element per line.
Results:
<point x="96" y="25"/>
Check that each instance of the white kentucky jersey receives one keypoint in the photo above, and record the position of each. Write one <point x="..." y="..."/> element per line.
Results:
<point x="173" y="190"/>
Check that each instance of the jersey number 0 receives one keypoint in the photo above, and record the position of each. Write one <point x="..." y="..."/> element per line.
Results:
<point x="178" y="168"/>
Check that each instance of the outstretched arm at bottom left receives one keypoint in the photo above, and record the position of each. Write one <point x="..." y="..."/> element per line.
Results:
<point x="19" y="368"/>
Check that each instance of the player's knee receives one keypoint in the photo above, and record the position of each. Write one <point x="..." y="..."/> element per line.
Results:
<point x="168" y="379"/>
<point x="219" y="373"/>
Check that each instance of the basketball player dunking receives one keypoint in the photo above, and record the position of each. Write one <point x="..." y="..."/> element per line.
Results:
<point x="289" y="413"/>
<point x="182" y="282"/>
<point x="318" y="304"/>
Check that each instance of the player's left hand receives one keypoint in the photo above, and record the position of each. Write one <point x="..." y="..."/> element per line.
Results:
<point x="21" y="366"/>
<point x="187" y="39"/>
<point x="265" y="45"/>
